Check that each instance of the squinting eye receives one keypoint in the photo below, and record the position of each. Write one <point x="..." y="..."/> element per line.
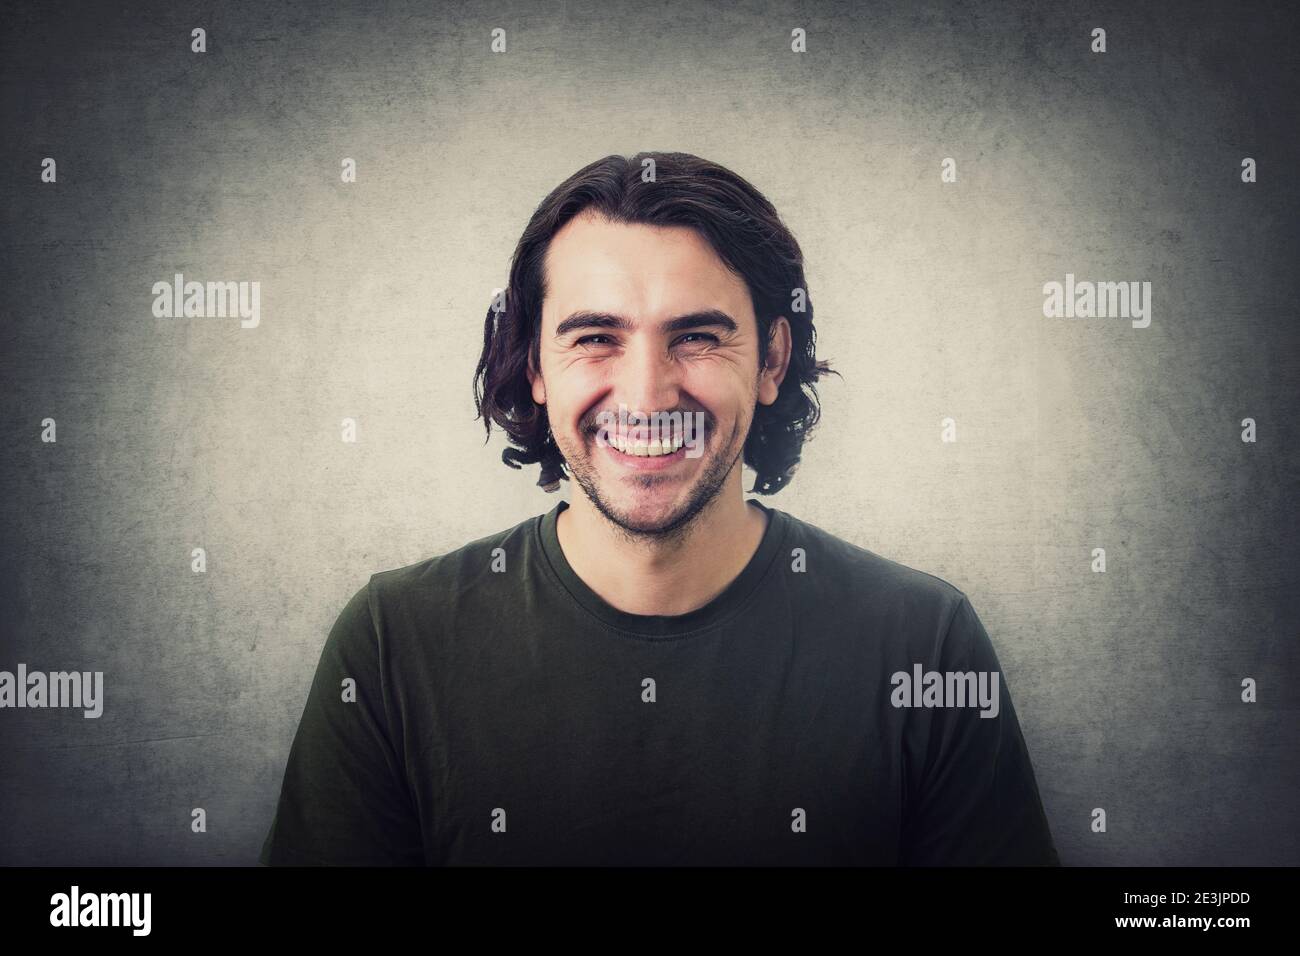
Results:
<point x="590" y="339"/>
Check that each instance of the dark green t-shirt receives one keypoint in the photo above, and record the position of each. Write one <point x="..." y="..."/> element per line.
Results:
<point x="505" y="714"/>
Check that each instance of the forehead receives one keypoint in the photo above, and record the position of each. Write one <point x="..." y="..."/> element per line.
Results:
<point x="593" y="263"/>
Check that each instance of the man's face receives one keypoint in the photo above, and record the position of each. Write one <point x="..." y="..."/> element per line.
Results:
<point x="646" y="276"/>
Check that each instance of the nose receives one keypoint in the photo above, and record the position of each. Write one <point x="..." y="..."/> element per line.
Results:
<point x="648" y="377"/>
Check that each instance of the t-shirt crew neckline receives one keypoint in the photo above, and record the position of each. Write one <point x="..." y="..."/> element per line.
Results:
<point x="732" y="599"/>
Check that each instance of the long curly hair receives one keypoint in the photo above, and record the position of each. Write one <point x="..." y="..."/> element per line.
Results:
<point x="657" y="189"/>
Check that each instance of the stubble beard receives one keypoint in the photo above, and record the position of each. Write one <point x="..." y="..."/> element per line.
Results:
<point x="705" y="490"/>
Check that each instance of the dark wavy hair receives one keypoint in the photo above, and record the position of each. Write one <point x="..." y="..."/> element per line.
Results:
<point x="746" y="233"/>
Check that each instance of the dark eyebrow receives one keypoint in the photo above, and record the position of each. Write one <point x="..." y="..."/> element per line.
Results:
<point x="606" y="320"/>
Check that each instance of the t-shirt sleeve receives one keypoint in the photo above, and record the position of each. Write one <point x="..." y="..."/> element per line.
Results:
<point x="978" y="802"/>
<point x="344" y="800"/>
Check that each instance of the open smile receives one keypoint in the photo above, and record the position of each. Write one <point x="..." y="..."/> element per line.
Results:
<point x="644" y="457"/>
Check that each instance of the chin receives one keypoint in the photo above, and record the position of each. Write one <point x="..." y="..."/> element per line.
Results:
<point x="647" y="507"/>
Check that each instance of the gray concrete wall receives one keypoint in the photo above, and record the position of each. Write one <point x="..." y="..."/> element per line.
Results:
<point x="1073" y="434"/>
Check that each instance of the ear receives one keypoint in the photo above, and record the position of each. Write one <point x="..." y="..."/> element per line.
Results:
<point x="535" y="379"/>
<point x="777" y="361"/>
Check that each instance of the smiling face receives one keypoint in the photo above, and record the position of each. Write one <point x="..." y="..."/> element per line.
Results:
<point x="648" y="319"/>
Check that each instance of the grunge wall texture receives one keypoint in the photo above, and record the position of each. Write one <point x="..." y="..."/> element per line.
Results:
<point x="1073" y="434"/>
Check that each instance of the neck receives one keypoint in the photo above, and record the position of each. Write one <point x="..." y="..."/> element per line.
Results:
<point x="668" y="575"/>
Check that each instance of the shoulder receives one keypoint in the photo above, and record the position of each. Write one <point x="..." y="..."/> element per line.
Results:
<point x="860" y="567"/>
<point x="398" y="611"/>
<point x="452" y="574"/>
<point x="870" y="587"/>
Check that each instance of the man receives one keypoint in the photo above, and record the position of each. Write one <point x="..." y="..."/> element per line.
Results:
<point x="658" y="671"/>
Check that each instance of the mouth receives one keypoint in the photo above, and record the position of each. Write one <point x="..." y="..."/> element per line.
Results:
<point x="645" y="456"/>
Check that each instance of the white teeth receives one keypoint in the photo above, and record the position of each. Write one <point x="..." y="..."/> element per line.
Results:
<point x="643" y="449"/>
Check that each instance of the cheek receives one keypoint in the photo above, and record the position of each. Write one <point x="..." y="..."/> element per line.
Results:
<point x="723" y="394"/>
<point x="569" y="409"/>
